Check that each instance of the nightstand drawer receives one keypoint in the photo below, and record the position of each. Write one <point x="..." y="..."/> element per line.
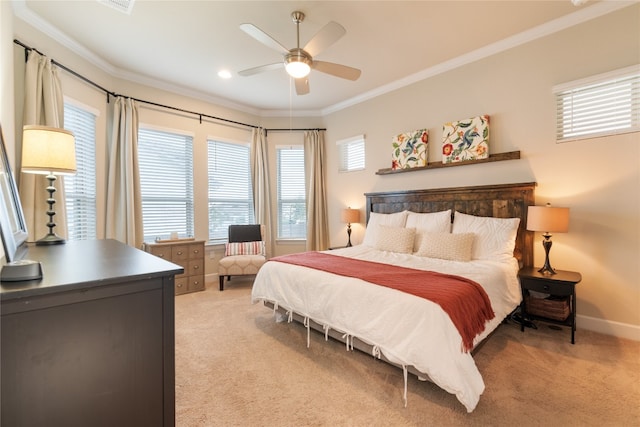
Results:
<point x="554" y="288"/>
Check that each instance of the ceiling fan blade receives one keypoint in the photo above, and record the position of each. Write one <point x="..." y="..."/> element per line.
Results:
<point x="260" y="69"/>
<point x="302" y="86"/>
<point x="328" y="35"/>
<point x="337" y="70"/>
<point x="263" y="37"/>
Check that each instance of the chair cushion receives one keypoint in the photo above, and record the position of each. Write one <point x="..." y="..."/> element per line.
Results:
<point x="237" y="265"/>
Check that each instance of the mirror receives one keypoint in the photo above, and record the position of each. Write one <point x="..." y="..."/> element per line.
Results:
<point x="13" y="229"/>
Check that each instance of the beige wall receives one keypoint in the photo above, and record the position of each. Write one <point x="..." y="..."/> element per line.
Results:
<point x="597" y="178"/>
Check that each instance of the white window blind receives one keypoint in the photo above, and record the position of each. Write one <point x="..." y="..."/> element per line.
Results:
<point x="601" y="105"/>
<point x="351" y="152"/>
<point x="80" y="189"/>
<point x="230" y="190"/>
<point x="292" y="209"/>
<point x="166" y="183"/>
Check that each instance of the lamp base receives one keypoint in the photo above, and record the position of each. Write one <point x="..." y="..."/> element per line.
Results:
<point x="546" y="269"/>
<point x="50" y="239"/>
<point x="546" y="243"/>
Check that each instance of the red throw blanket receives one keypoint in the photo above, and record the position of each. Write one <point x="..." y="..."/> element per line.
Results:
<point x="464" y="300"/>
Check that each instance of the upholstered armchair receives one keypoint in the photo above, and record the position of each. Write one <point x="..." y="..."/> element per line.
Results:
<point x="244" y="253"/>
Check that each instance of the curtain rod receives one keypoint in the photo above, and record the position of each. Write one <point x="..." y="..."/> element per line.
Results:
<point x="292" y="130"/>
<point x="110" y="93"/>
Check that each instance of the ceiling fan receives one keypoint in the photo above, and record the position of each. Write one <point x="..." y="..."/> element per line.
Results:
<point x="298" y="62"/>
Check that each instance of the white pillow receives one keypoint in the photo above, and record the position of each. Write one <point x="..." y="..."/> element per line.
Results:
<point x="436" y="222"/>
<point x="395" y="239"/>
<point x="495" y="237"/>
<point x="397" y="219"/>
<point x="454" y="247"/>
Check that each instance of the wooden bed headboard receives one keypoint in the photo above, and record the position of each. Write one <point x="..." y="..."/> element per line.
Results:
<point x="500" y="201"/>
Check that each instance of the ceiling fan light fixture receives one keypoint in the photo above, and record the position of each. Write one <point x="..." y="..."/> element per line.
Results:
<point x="298" y="64"/>
<point x="298" y="69"/>
<point x="298" y="61"/>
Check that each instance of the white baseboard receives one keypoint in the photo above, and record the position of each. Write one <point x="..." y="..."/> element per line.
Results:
<point x="609" y="327"/>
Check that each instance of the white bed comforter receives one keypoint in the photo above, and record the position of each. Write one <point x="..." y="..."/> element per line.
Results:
<point x="408" y="330"/>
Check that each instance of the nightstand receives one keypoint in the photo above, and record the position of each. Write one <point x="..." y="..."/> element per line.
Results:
<point x="561" y="288"/>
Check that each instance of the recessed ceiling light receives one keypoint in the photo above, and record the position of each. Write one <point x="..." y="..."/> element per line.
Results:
<point x="224" y="74"/>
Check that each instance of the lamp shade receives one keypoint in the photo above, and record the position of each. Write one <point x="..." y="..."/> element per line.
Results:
<point x="548" y="219"/>
<point x="350" y="216"/>
<point x="48" y="150"/>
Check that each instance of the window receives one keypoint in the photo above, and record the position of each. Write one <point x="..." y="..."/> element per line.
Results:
<point x="351" y="152"/>
<point x="166" y="183"/>
<point x="292" y="205"/>
<point x="80" y="189"/>
<point x="601" y="105"/>
<point x="230" y="191"/>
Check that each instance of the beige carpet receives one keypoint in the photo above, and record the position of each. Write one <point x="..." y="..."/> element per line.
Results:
<point x="235" y="366"/>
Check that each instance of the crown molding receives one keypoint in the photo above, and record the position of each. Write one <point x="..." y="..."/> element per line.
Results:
<point x="584" y="14"/>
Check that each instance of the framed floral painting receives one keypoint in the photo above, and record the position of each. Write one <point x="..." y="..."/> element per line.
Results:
<point x="465" y="140"/>
<point x="410" y="149"/>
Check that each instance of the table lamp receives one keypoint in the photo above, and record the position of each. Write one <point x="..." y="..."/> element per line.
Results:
<point x="548" y="220"/>
<point x="49" y="151"/>
<point x="350" y="216"/>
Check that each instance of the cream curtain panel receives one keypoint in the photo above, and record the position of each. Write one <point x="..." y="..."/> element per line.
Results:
<point x="317" y="222"/>
<point x="43" y="105"/>
<point x="260" y="184"/>
<point x="124" y="201"/>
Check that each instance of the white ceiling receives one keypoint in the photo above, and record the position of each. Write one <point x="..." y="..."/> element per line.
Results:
<point x="181" y="45"/>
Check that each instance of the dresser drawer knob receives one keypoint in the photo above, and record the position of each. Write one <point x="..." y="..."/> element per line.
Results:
<point x="196" y="251"/>
<point x="546" y="287"/>
<point x="179" y="252"/>
<point x="195" y="267"/>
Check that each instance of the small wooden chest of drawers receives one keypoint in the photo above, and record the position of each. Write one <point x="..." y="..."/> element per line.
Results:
<point x="187" y="253"/>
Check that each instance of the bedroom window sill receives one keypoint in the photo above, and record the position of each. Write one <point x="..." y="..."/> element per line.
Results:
<point x="290" y="241"/>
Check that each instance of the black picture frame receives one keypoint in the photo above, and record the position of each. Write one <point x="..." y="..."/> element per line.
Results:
<point x="13" y="227"/>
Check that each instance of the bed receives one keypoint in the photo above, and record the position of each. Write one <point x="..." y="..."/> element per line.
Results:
<point x="468" y="239"/>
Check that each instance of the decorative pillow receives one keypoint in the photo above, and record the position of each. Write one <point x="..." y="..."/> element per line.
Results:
<point x="245" y="248"/>
<point x="436" y="222"/>
<point x="397" y="219"/>
<point x="395" y="239"/>
<point x="495" y="237"/>
<point x="454" y="247"/>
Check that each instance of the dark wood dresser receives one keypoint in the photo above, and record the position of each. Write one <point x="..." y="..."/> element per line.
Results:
<point x="92" y="343"/>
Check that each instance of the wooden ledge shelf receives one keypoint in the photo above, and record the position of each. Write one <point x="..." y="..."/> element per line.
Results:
<point x="511" y="155"/>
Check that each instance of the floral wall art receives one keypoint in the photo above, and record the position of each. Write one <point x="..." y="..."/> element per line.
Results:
<point x="465" y="140"/>
<point x="410" y="149"/>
